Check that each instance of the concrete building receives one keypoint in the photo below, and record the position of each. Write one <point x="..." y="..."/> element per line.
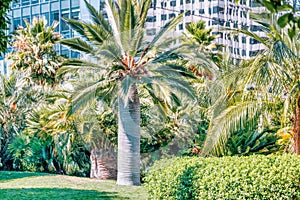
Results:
<point x="216" y="13"/>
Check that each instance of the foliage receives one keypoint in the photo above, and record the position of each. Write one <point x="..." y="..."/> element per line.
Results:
<point x="34" y="54"/>
<point x="260" y="86"/>
<point x="247" y="142"/>
<point x="4" y="21"/>
<point x="51" y="142"/>
<point x="253" y="177"/>
<point x="16" y="101"/>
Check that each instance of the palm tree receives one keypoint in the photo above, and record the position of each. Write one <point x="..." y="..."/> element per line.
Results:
<point x="34" y="52"/>
<point x="260" y="84"/>
<point x="127" y="65"/>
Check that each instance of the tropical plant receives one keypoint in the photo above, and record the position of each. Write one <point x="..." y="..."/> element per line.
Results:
<point x="16" y="101"/>
<point x="34" y="54"/>
<point x="262" y="84"/>
<point x="128" y="64"/>
<point x="51" y="141"/>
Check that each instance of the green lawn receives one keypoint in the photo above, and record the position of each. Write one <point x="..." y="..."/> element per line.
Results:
<point x="25" y="185"/>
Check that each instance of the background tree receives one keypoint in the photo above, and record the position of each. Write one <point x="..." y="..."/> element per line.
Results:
<point x="4" y="22"/>
<point x="34" y="53"/>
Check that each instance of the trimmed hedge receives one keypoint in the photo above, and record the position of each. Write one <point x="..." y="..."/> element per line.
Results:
<point x="252" y="177"/>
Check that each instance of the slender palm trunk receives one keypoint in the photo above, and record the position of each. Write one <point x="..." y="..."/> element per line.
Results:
<point x="297" y="128"/>
<point x="129" y="139"/>
<point x="103" y="163"/>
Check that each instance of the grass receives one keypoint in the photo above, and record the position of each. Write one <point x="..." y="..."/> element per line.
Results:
<point x="39" y="186"/>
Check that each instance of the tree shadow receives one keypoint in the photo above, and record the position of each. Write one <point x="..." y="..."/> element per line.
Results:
<point x="56" y="193"/>
<point x="11" y="175"/>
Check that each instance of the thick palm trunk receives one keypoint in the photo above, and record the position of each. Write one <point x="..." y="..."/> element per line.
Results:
<point x="103" y="163"/>
<point x="129" y="139"/>
<point x="297" y="128"/>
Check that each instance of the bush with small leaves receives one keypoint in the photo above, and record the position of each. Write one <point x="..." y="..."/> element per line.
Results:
<point x="252" y="177"/>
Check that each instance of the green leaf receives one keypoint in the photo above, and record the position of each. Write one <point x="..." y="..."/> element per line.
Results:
<point x="269" y="5"/>
<point x="284" y="7"/>
<point x="292" y="31"/>
<point x="284" y="20"/>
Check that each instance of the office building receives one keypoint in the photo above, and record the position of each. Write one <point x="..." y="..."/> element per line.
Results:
<point x="217" y="13"/>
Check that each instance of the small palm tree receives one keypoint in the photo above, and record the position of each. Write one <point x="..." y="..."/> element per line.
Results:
<point x="127" y="64"/>
<point x="34" y="52"/>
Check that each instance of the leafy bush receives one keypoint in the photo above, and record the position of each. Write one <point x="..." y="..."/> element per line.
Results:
<point x="253" y="177"/>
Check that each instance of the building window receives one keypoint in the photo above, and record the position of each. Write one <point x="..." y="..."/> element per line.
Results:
<point x="180" y="26"/>
<point x="151" y="31"/>
<point x="244" y="40"/>
<point x="187" y="1"/>
<point x="201" y="11"/>
<point x="151" y="19"/>
<point x="163" y="17"/>
<point x="46" y="15"/>
<point x="201" y="0"/>
<point x="188" y="13"/>
<point x="254" y="28"/>
<point x="75" y="15"/>
<point x="64" y="25"/>
<point x="181" y="2"/>
<point x="171" y="15"/>
<point x="215" y="9"/>
<point x="243" y="52"/>
<point x="16" y="23"/>
<point x="54" y="16"/>
<point x="25" y="2"/>
<point x="215" y="21"/>
<point x="65" y="53"/>
<point x="163" y="4"/>
<point x="34" y="1"/>
<point x="75" y="54"/>
<point x="173" y="3"/>
<point x="253" y="41"/>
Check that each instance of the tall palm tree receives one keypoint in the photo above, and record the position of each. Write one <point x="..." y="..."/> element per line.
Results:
<point x="261" y="84"/>
<point x="127" y="64"/>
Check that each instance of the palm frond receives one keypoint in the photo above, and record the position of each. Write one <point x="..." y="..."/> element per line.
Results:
<point x="98" y="17"/>
<point x="231" y="119"/>
<point x="75" y="25"/>
<point x="78" y="45"/>
<point x="86" y="94"/>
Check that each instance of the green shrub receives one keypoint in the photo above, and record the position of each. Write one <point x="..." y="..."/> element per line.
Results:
<point x="253" y="177"/>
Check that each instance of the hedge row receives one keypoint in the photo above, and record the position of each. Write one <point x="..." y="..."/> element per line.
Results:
<point x="253" y="177"/>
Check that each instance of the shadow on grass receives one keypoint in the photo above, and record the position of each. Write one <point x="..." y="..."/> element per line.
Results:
<point x="11" y="175"/>
<point x="56" y="193"/>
